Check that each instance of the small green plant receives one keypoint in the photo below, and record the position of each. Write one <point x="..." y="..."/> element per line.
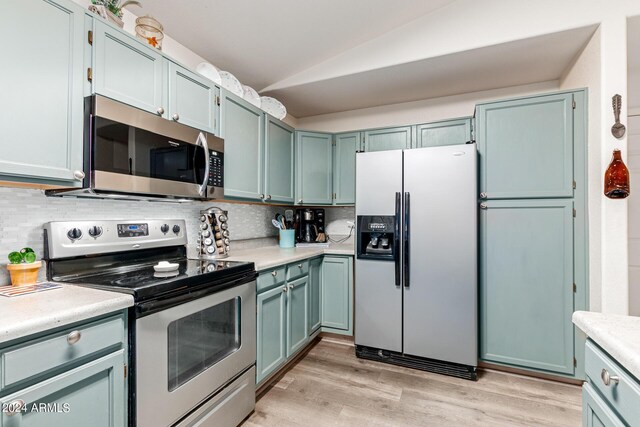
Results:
<point x="115" y="6"/>
<point x="25" y="255"/>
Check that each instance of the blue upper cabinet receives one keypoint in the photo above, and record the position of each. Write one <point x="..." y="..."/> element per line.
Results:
<point x="344" y="167"/>
<point x="127" y="70"/>
<point x="313" y="168"/>
<point x="242" y="127"/>
<point x="526" y="284"/>
<point x="447" y="132"/>
<point x="278" y="161"/>
<point x="388" y="139"/>
<point x="43" y="53"/>
<point x="526" y="147"/>
<point x="192" y="99"/>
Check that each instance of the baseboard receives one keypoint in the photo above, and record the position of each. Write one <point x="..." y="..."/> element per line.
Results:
<point x="485" y="366"/>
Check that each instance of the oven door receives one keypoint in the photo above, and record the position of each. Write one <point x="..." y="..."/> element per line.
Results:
<point x="184" y="354"/>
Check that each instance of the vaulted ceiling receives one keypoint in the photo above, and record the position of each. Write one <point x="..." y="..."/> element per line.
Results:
<point x="335" y="55"/>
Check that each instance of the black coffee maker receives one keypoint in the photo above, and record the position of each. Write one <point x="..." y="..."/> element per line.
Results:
<point x="310" y="226"/>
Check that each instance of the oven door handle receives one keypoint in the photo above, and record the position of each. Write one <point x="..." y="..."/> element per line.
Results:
<point x="202" y="142"/>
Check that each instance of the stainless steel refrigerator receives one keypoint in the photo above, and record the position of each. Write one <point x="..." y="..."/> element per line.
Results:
<point x="416" y="258"/>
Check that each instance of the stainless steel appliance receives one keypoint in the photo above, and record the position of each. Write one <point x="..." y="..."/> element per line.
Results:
<point x="130" y="153"/>
<point x="416" y="261"/>
<point x="213" y="242"/>
<point x="192" y="331"/>
<point x="310" y="225"/>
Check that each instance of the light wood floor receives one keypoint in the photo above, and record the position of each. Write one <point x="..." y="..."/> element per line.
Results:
<point x="331" y="387"/>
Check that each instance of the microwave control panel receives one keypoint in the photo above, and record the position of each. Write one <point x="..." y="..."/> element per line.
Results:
<point x="216" y="168"/>
<point x="133" y="230"/>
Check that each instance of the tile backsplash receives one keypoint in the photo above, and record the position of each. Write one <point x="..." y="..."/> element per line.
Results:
<point x="24" y="211"/>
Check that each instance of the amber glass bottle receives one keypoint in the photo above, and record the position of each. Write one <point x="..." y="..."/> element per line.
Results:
<point x="616" y="178"/>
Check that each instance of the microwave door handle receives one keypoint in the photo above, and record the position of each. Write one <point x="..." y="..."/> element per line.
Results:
<point x="202" y="142"/>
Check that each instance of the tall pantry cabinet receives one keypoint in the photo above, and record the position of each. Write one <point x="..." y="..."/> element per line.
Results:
<point x="532" y="231"/>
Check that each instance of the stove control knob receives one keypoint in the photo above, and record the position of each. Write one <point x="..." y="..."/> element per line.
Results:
<point x="224" y="226"/>
<point x="176" y="229"/>
<point x="74" y="234"/>
<point x="95" y="231"/>
<point x="164" y="228"/>
<point x="222" y="218"/>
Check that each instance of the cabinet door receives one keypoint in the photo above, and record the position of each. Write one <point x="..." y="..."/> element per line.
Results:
<point x="336" y="294"/>
<point x="315" y="277"/>
<point x="192" y="99"/>
<point x="127" y="70"/>
<point x="526" y="147"/>
<point x="595" y="411"/>
<point x="278" y="161"/>
<point x="388" y="139"/>
<point x="43" y="71"/>
<point x="297" y="314"/>
<point x="93" y="394"/>
<point x="271" y="325"/>
<point x="242" y="127"/>
<point x="449" y="132"/>
<point x="313" y="168"/>
<point x="526" y="284"/>
<point x="344" y="168"/>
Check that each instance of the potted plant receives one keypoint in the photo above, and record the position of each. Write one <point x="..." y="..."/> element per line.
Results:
<point x="23" y="267"/>
<point x="112" y="9"/>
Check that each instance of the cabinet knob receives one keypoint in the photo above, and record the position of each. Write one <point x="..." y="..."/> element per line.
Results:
<point x="74" y="337"/>
<point x="483" y="206"/>
<point x="268" y="196"/>
<point x="14" y="407"/>
<point x="78" y="175"/>
<point x="608" y="379"/>
<point x="290" y="286"/>
<point x="262" y="197"/>
<point x="300" y="201"/>
<point x="284" y="289"/>
<point x="483" y="195"/>
<point x="299" y="265"/>
<point x="175" y="117"/>
<point x="274" y="273"/>
<point x="160" y="111"/>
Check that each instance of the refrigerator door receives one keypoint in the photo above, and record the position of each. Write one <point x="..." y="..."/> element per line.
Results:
<point x="440" y="290"/>
<point x="378" y="297"/>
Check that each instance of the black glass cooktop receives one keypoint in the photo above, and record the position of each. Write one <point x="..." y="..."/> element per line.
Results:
<point x="135" y="274"/>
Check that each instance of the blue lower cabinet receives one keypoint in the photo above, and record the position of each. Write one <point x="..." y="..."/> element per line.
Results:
<point x="297" y="314"/>
<point x="315" y="278"/>
<point x="337" y="294"/>
<point x="271" y="330"/>
<point x="92" y="394"/>
<point x="596" y="412"/>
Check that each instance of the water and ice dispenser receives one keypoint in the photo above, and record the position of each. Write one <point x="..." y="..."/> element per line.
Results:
<point x="378" y="237"/>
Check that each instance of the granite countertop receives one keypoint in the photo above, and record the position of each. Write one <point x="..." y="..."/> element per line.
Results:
<point x="33" y="313"/>
<point x="271" y="256"/>
<point x="617" y="335"/>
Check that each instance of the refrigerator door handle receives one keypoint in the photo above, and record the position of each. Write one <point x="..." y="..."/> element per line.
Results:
<point x="406" y="256"/>
<point x="396" y="239"/>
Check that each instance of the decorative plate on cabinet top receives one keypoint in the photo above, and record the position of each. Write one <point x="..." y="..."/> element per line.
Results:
<point x="251" y="95"/>
<point x="209" y="71"/>
<point x="274" y="107"/>
<point x="232" y="84"/>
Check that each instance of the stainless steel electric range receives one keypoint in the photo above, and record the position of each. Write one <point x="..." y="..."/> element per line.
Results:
<point x="192" y="331"/>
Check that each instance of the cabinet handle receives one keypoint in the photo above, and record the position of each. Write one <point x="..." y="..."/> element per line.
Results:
<point x="262" y="197"/>
<point x="483" y="195"/>
<point x="483" y="206"/>
<point x="608" y="379"/>
<point x="175" y="117"/>
<point x="78" y="175"/>
<point x="299" y="265"/>
<point x="274" y="273"/>
<point x="284" y="289"/>
<point x="300" y="201"/>
<point x="290" y="286"/>
<point x="268" y="196"/>
<point x="14" y="407"/>
<point x="160" y="111"/>
<point x="74" y="337"/>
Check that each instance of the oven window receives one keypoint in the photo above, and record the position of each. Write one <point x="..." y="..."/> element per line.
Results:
<point x="202" y="339"/>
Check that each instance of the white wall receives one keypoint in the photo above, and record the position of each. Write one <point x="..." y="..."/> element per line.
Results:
<point x="633" y="164"/>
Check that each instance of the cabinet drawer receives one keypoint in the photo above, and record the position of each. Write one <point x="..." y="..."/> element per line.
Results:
<point x="623" y="396"/>
<point x="270" y="278"/>
<point x="37" y="357"/>
<point x="297" y="269"/>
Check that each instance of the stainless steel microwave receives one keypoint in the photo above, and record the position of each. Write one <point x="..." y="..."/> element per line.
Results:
<point x="130" y="153"/>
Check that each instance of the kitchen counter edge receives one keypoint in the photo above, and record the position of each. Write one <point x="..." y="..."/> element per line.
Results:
<point x="617" y="335"/>
<point x="273" y="256"/>
<point x="30" y="314"/>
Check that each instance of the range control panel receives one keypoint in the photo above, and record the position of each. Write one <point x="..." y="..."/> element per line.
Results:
<point x="216" y="168"/>
<point x="133" y="230"/>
